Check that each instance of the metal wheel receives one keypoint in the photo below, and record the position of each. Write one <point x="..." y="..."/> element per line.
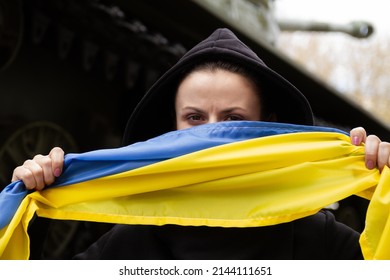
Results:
<point x="25" y="142"/>
<point x="30" y="140"/>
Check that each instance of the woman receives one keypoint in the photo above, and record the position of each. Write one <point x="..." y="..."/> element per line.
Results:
<point x="220" y="79"/>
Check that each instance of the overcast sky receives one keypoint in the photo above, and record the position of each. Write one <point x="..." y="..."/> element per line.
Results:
<point x="338" y="11"/>
<point x="343" y="76"/>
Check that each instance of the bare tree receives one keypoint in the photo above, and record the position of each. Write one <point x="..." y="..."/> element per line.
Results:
<point x="360" y="69"/>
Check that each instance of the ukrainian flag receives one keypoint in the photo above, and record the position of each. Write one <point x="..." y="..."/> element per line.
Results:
<point x="229" y="174"/>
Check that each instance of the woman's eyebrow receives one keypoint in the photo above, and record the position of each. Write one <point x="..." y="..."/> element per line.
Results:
<point x="230" y="109"/>
<point x="193" y="109"/>
<point x="227" y="110"/>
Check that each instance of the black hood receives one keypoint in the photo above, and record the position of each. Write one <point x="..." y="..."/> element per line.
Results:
<point x="154" y="114"/>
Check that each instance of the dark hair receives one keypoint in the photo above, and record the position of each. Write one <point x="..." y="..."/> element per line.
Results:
<point x="265" y="104"/>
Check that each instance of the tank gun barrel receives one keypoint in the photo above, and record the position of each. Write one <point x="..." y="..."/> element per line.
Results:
<point x="358" y="29"/>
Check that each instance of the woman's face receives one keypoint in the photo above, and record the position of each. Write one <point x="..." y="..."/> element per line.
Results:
<point x="208" y="97"/>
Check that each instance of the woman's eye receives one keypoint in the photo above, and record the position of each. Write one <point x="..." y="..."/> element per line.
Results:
<point x="194" y="117"/>
<point x="234" y="118"/>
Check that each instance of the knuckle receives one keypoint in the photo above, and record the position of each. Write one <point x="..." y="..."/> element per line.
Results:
<point x="373" y="138"/>
<point x="38" y="172"/>
<point x="25" y="174"/>
<point x="56" y="150"/>
<point x="42" y="160"/>
<point x="384" y="145"/>
<point x="28" y="162"/>
<point x="384" y="150"/>
<point x="38" y="156"/>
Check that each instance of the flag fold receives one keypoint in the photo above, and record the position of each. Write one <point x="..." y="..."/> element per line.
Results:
<point x="229" y="174"/>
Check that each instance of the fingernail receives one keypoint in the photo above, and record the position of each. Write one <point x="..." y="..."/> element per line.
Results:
<point x="355" y="140"/>
<point x="370" y="164"/>
<point x="57" y="172"/>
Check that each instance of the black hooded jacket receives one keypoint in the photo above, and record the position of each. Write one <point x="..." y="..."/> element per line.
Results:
<point x="153" y="114"/>
<point x="318" y="237"/>
<point x="315" y="237"/>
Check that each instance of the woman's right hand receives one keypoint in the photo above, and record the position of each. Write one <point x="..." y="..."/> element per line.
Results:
<point x="40" y="171"/>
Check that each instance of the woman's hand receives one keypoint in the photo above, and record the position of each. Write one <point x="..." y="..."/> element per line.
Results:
<point x="377" y="152"/>
<point x="40" y="171"/>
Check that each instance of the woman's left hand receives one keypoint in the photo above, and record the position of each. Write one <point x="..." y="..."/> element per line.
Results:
<point x="377" y="152"/>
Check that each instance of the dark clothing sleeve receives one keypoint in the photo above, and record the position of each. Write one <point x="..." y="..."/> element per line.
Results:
<point x="315" y="237"/>
<point x="322" y="237"/>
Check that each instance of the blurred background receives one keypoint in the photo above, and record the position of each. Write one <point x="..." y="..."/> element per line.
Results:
<point x="356" y="65"/>
<point x="72" y="71"/>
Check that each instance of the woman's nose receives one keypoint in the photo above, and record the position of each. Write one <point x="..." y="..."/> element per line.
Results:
<point x="212" y="119"/>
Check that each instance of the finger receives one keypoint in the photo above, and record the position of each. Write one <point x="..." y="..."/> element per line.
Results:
<point x="358" y="135"/>
<point x="371" y="151"/>
<point x="24" y="174"/>
<point x="383" y="155"/>
<point x="57" y="161"/>
<point x="37" y="171"/>
<point x="30" y="173"/>
<point x="46" y="176"/>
